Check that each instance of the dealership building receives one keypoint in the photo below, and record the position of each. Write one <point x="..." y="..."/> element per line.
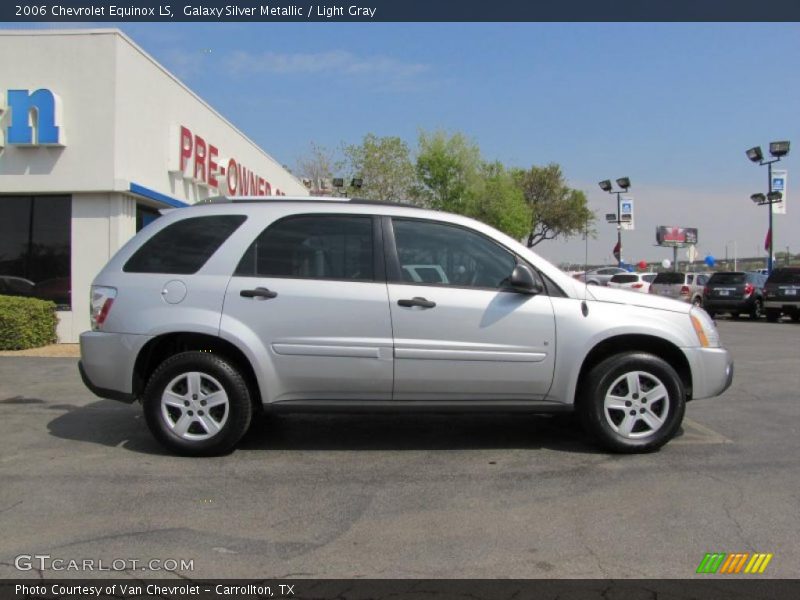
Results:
<point x="95" y="138"/>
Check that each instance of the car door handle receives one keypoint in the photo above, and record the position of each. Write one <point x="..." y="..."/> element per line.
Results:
<point x="259" y="292"/>
<point x="416" y="301"/>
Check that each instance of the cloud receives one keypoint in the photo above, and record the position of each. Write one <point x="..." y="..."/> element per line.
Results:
<point x="385" y="69"/>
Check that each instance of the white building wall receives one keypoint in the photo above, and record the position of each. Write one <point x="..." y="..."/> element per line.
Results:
<point x="120" y="115"/>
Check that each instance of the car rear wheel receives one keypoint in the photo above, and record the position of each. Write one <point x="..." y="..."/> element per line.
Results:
<point x="632" y="402"/>
<point x="755" y="312"/>
<point x="698" y="301"/>
<point x="796" y="316"/>
<point x="773" y="315"/>
<point x="197" y="404"/>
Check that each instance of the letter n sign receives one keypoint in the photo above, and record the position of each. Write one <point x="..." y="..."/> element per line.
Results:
<point x="35" y="118"/>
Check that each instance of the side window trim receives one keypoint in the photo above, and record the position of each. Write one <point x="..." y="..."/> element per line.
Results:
<point x="379" y="270"/>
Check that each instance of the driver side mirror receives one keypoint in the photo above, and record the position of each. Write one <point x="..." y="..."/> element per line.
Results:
<point x="522" y="280"/>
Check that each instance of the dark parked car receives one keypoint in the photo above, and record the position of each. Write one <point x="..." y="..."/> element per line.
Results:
<point x="782" y="294"/>
<point x="735" y="292"/>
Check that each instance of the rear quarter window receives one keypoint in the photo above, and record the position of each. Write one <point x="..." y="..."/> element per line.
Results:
<point x="785" y="276"/>
<point x="183" y="247"/>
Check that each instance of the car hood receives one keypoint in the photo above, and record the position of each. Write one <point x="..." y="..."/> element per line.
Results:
<point x="631" y="298"/>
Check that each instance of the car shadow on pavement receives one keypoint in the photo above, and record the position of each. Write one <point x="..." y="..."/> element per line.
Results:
<point x="113" y="424"/>
<point x="412" y="431"/>
<point x="107" y="423"/>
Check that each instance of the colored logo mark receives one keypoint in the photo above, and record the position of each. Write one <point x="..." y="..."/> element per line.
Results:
<point x="737" y="562"/>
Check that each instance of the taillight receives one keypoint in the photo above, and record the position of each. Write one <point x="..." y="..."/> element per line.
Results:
<point x="706" y="291"/>
<point x="100" y="305"/>
<point x="636" y="286"/>
<point x="748" y="289"/>
<point x="685" y="290"/>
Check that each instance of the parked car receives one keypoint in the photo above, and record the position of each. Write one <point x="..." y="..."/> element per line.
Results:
<point x="782" y="294"/>
<point x="219" y="310"/>
<point x="687" y="287"/>
<point x="735" y="292"/>
<point x="636" y="282"/>
<point x="600" y="276"/>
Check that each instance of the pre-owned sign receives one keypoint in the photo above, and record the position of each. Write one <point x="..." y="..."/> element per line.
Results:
<point x="200" y="160"/>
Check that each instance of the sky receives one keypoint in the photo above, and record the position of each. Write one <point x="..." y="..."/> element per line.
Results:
<point x="673" y="106"/>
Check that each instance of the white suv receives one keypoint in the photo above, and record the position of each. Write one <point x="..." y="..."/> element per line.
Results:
<point x="219" y="310"/>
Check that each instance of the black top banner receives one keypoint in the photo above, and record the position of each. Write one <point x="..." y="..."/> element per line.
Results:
<point x="400" y="10"/>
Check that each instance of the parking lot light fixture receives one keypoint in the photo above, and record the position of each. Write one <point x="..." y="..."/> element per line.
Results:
<point x="774" y="197"/>
<point x="606" y="186"/>
<point x="755" y="154"/>
<point x="779" y="149"/>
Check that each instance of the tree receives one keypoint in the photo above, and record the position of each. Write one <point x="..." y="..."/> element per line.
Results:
<point x="318" y="165"/>
<point x="384" y="164"/>
<point x="447" y="166"/>
<point x="556" y="209"/>
<point x="496" y="200"/>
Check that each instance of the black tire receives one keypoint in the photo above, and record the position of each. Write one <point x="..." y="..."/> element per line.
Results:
<point x="591" y="397"/>
<point x="735" y="316"/>
<point x="711" y="313"/>
<point x="698" y="301"/>
<point x="755" y="312"/>
<point x="238" y="413"/>
<point x="773" y="315"/>
<point x="795" y="316"/>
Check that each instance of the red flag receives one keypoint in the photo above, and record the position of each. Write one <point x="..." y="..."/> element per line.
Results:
<point x="616" y="251"/>
<point x="768" y="240"/>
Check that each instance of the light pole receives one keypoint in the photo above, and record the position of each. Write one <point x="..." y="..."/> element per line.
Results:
<point x="605" y="185"/>
<point x="778" y="150"/>
<point x="735" y="266"/>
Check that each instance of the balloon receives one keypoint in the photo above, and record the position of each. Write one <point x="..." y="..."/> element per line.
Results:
<point x="642" y="264"/>
<point x="630" y="268"/>
<point x="710" y="261"/>
<point x="666" y="263"/>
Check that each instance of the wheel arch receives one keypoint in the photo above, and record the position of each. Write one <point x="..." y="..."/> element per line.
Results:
<point x="657" y="346"/>
<point x="163" y="346"/>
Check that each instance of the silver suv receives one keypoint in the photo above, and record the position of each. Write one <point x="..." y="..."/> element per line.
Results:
<point x="215" y="312"/>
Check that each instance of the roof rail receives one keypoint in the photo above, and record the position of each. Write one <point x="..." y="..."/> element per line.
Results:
<point x="236" y="199"/>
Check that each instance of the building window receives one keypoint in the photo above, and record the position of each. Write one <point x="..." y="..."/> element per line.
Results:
<point x="145" y="215"/>
<point x="35" y="247"/>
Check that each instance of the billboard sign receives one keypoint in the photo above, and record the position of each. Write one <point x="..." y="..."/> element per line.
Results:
<point x="668" y="235"/>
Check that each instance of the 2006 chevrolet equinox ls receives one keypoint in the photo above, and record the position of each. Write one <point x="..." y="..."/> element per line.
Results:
<point x="220" y="310"/>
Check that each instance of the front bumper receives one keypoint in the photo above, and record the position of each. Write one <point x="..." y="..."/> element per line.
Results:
<point x="107" y="362"/>
<point x="712" y="371"/>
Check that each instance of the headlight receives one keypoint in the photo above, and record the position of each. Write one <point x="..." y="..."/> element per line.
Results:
<point x="704" y="327"/>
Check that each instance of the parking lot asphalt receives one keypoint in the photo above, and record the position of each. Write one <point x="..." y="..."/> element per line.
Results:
<point x="355" y="496"/>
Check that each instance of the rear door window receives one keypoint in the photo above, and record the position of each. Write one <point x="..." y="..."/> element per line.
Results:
<point x="669" y="278"/>
<point x="338" y="247"/>
<point x="183" y="247"/>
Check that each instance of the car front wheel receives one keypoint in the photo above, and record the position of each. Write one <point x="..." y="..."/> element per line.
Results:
<point x="632" y="402"/>
<point x="197" y="404"/>
<point x="755" y="312"/>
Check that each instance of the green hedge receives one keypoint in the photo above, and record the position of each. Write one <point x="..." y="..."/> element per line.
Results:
<point x="26" y="323"/>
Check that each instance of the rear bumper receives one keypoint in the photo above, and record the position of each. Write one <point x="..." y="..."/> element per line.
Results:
<point x="740" y="304"/>
<point x="712" y="371"/>
<point x="107" y="363"/>
<point x="784" y="305"/>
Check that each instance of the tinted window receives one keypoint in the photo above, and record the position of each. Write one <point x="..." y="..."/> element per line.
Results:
<point x="35" y="247"/>
<point x="185" y="246"/>
<point x="702" y="279"/>
<point x="727" y="279"/>
<point x="669" y="277"/>
<point x="785" y="276"/>
<point x="457" y="256"/>
<point x="649" y="277"/>
<point x="624" y="278"/>
<point x="313" y="247"/>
